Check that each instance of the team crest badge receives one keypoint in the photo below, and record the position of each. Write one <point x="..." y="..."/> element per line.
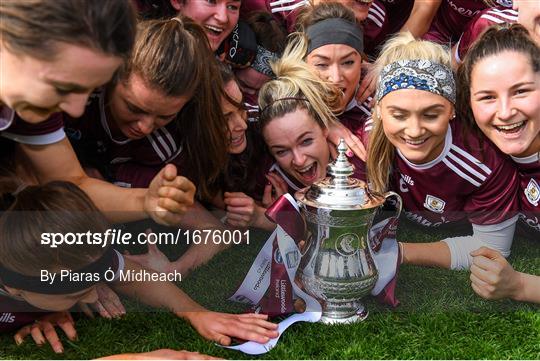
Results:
<point x="434" y="204"/>
<point x="533" y="192"/>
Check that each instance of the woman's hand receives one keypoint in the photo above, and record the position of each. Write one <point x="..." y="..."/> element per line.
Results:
<point x="221" y="327"/>
<point x="108" y="304"/>
<point x="153" y="260"/>
<point x="169" y="196"/>
<point x="275" y="188"/>
<point x="354" y="144"/>
<point x="492" y="277"/>
<point x="242" y="211"/>
<point x="43" y="330"/>
<point x="162" y="354"/>
<point x="367" y="83"/>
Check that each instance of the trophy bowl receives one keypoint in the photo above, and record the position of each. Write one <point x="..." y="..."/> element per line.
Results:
<point x="337" y="266"/>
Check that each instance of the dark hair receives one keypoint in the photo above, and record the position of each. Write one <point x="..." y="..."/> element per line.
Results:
<point x="268" y="31"/>
<point x="240" y="174"/>
<point x="324" y="10"/>
<point x="154" y="9"/>
<point x="496" y="39"/>
<point x="34" y="27"/>
<point x="56" y="207"/>
<point x="169" y="55"/>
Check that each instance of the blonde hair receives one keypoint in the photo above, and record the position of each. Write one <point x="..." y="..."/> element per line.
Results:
<point x="381" y="152"/>
<point x="297" y="87"/>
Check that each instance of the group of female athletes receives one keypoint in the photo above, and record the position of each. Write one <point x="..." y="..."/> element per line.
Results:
<point x="114" y="111"/>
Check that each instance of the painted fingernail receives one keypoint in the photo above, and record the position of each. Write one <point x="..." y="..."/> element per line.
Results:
<point x="349" y="153"/>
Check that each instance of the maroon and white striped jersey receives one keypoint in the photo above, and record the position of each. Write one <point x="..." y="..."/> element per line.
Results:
<point x="469" y="180"/>
<point x="15" y="128"/>
<point x="529" y="190"/>
<point x="451" y="20"/>
<point x="475" y="28"/>
<point x="95" y="135"/>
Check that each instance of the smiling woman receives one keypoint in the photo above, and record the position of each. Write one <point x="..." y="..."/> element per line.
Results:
<point x="53" y="54"/>
<point x="507" y="109"/>
<point x="158" y="111"/>
<point x="416" y="138"/>
<point x="52" y="57"/>
<point x="217" y="17"/>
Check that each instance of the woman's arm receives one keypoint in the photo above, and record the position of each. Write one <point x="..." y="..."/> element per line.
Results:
<point x="215" y="326"/>
<point x="421" y="17"/>
<point x="492" y="277"/>
<point x="166" y="200"/>
<point x="455" y="252"/>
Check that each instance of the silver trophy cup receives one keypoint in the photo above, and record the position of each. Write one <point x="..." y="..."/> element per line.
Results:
<point x="337" y="267"/>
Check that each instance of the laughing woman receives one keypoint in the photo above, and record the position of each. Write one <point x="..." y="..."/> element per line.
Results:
<point x="297" y="108"/>
<point x="444" y="175"/>
<point x="53" y="54"/>
<point x="507" y="111"/>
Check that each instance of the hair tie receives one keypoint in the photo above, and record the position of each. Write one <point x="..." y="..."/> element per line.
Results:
<point x="178" y="20"/>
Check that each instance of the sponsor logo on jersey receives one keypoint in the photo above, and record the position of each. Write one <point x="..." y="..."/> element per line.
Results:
<point x="7" y="317"/>
<point x="532" y="192"/>
<point x="434" y="204"/>
<point x="403" y="181"/>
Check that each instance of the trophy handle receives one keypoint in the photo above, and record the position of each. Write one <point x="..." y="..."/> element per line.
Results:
<point x="398" y="203"/>
<point x="383" y="225"/>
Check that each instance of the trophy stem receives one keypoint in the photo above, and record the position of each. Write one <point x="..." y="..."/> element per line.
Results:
<point x="339" y="313"/>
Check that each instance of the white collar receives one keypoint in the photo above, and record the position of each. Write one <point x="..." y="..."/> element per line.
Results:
<point x="446" y="149"/>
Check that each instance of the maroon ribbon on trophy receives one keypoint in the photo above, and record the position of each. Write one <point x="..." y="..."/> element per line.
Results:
<point x="285" y="214"/>
<point x="273" y="294"/>
<point x="279" y="298"/>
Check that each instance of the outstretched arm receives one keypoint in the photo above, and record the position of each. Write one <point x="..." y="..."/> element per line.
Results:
<point x="165" y="201"/>
<point x="492" y="277"/>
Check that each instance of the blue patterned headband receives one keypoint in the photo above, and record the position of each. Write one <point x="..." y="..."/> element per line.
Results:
<point x="262" y="61"/>
<point x="417" y="74"/>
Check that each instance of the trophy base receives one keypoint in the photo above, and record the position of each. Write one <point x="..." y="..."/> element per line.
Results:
<point x="360" y="315"/>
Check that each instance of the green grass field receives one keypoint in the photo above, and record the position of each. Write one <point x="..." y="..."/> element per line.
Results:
<point x="440" y="317"/>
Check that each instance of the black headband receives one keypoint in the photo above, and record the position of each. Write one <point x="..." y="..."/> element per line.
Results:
<point x="335" y="31"/>
<point x="109" y="261"/>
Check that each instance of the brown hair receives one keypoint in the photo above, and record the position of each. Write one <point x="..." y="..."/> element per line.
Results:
<point x="310" y="15"/>
<point x="56" y="207"/>
<point x="240" y="175"/>
<point x="268" y="31"/>
<point x="381" y="152"/>
<point x="496" y="39"/>
<point x="174" y="57"/>
<point x="34" y="27"/>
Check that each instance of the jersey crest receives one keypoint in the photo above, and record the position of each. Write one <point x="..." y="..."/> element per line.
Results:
<point x="434" y="204"/>
<point x="532" y="192"/>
